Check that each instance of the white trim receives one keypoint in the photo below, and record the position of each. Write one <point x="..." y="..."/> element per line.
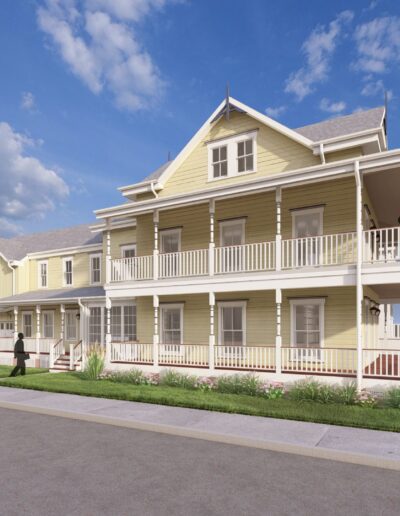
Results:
<point x="233" y="222"/>
<point x="91" y="256"/>
<point x="44" y="312"/>
<point x="319" y="210"/>
<point x="64" y="251"/>
<point x="27" y="312"/>
<point x="308" y="301"/>
<point x="74" y="311"/>
<point x="162" y="307"/>
<point x="39" y="272"/>
<point x="171" y="231"/>
<point x="64" y="272"/>
<point x="114" y="224"/>
<point x="241" y="304"/>
<point x="128" y="247"/>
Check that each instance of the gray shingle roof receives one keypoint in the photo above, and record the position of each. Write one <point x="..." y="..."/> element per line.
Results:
<point x="157" y="173"/>
<point x="343" y="125"/>
<point x="54" y="294"/>
<point x="18" y="247"/>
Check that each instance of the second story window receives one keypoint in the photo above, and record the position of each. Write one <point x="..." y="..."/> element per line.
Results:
<point x="67" y="272"/>
<point x="128" y="251"/>
<point x="42" y="270"/>
<point x="220" y="161"/>
<point x="232" y="232"/>
<point x="245" y="156"/>
<point x="95" y="269"/>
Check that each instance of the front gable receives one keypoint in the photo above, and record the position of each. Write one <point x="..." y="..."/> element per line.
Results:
<point x="275" y="153"/>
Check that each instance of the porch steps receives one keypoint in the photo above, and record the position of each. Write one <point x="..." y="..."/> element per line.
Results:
<point x="62" y="364"/>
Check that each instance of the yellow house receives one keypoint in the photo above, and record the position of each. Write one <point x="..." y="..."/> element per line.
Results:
<point x="258" y="248"/>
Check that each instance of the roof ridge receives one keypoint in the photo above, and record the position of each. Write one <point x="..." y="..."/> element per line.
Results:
<point x="26" y="235"/>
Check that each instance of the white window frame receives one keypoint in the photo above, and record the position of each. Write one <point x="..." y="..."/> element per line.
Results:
<point x="127" y="247"/>
<point x="122" y="304"/>
<point x="171" y="231"/>
<point x="232" y="155"/>
<point x="232" y="222"/>
<point x="163" y="346"/>
<point x="74" y="312"/>
<point x="27" y="312"/>
<point x="91" y="256"/>
<point x="43" y="262"/>
<point x="307" y="211"/>
<point x="64" y="272"/>
<point x="102" y="322"/>
<point x="46" y="312"/>
<point x="221" y="347"/>
<point x="307" y="301"/>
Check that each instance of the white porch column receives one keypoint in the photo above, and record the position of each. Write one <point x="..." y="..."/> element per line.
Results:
<point x="108" y="256"/>
<point x="211" y="344"/>
<point x="359" y="286"/>
<point x="278" y="338"/>
<point x="156" y="304"/>
<point x="278" y="237"/>
<point x="211" y="248"/>
<point x="367" y="323"/>
<point x="37" y="342"/>
<point x="15" y="322"/>
<point x="108" y="332"/>
<point x="156" y="221"/>
<point x="62" y="326"/>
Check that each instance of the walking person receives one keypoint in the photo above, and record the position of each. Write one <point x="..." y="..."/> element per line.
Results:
<point x="20" y="355"/>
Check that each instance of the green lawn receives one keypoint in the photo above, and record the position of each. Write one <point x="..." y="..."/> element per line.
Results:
<point x="6" y="370"/>
<point x="374" y="418"/>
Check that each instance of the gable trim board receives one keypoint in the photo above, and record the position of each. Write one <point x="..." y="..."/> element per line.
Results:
<point x="315" y="173"/>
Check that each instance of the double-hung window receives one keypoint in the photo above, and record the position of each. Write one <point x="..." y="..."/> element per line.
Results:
<point x="42" y="274"/>
<point x="67" y="272"/>
<point x="48" y="324"/>
<point x="232" y="156"/>
<point x="128" y="251"/>
<point x="232" y="256"/>
<point x="232" y="327"/>
<point x="27" y="324"/>
<point x="220" y="161"/>
<point x="245" y="156"/>
<point x="95" y="269"/>
<point x="123" y="323"/>
<point x="307" y="322"/>
<point x="171" y="328"/>
<point x="307" y="226"/>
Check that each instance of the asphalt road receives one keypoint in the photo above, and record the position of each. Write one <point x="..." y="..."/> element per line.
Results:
<point x="56" y="466"/>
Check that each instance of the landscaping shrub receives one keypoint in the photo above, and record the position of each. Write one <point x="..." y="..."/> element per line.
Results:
<point x="392" y="397"/>
<point x="95" y="360"/>
<point x="134" y="376"/>
<point x="309" y="390"/>
<point x="346" y="394"/>
<point x="175" y="379"/>
<point x="237" y="384"/>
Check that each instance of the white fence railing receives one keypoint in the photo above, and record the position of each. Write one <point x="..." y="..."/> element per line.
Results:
<point x="245" y="357"/>
<point x="133" y="352"/>
<point x="45" y="344"/>
<point x="338" y="249"/>
<point x="319" y="360"/>
<point x="7" y="344"/>
<point x="382" y="245"/>
<point x="194" y="355"/>
<point x="130" y="269"/>
<point x="382" y="363"/>
<point x="56" y="350"/>
<point x="245" y="258"/>
<point x="186" y="263"/>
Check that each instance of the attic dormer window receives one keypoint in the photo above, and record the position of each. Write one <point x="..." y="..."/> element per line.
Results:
<point x="232" y="156"/>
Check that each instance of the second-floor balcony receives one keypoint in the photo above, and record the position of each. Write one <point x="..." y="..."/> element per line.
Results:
<point x="378" y="246"/>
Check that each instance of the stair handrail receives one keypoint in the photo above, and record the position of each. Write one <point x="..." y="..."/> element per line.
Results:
<point x="53" y="356"/>
<point x="72" y="355"/>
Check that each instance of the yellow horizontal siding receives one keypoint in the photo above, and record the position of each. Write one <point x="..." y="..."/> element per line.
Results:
<point x="5" y="279"/>
<point x="354" y="152"/>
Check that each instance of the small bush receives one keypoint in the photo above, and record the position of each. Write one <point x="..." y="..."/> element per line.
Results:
<point x="347" y="394"/>
<point x="134" y="376"/>
<point x="175" y="379"/>
<point x="392" y="397"/>
<point x="308" y="390"/>
<point x="95" y="360"/>
<point x="237" y="384"/>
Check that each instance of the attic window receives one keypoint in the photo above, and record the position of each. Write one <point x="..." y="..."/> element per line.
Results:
<point x="232" y="156"/>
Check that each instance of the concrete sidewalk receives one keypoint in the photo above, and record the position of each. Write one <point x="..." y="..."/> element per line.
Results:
<point x="353" y="445"/>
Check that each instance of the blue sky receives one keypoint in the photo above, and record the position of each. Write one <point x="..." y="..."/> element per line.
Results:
<point x="95" y="93"/>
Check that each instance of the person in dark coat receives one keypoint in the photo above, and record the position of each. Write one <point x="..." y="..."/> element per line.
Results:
<point x="20" y="355"/>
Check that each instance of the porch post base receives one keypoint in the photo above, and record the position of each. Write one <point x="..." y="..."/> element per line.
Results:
<point x="155" y="350"/>
<point x="211" y="361"/>
<point x="278" y="354"/>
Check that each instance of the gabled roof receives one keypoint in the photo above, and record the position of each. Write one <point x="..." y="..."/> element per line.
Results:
<point x="18" y="247"/>
<point x="344" y="125"/>
<point x="158" y="172"/>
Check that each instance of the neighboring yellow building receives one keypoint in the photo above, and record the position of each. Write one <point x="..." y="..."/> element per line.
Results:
<point x="258" y="248"/>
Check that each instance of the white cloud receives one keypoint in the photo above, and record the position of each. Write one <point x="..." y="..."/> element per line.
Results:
<point x="374" y="88"/>
<point x="318" y="50"/>
<point x="98" y="42"/>
<point x="28" y="101"/>
<point x="275" y="112"/>
<point x="8" y="229"/>
<point x="378" y="44"/>
<point x="27" y="188"/>
<point x="332" y="107"/>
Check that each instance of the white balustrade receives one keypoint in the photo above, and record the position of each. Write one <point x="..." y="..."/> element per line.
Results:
<point x="185" y="263"/>
<point x="338" y="249"/>
<point x="383" y="363"/>
<point x="45" y="344"/>
<point x="245" y="258"/>
<point x="183" y="355"/>
<point x="56" y="350"/>
<point x="134" y="352"/>
<point x="132" y="269"/>
<point x="319" y="360"/>
<point x="7" y="344"/>
<point x="382" y="245"/>
<point x="75" y="355"/>
<point x="245" y="357"/>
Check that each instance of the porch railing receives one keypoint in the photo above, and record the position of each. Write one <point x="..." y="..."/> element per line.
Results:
<point x="7" y="343"/>
<point x="133" y="352"/>
<point x="130" y="269"/>
<point x="319" y="360"/>
<point x="186" y="263"/>
<point x="56" y="350"/>
<point x="245" y="357"/>
<point x="383" y="363"/>
<point x="382" y="245"/>
<point x="245" y="258"/>
<point x="324" y="250"/>
<point x="75" y="355"/>
<point x="192" y="355"/>
<point x="45" y="344"/>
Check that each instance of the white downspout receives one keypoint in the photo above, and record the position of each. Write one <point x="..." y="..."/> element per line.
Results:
<point x="321" y="153"/>
<point x="82" y="310"/>
<point x="359" y="287"/>
<point x="153" y="190"/>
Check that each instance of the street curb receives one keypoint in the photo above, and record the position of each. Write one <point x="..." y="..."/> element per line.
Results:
<point x="277" y="446"/>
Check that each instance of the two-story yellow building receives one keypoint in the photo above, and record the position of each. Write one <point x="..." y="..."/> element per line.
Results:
<point x="258" y="248"/>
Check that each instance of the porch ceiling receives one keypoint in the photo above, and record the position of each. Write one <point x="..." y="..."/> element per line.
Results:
<point x="384" y="191"/>
<point x="387" y="292"/>
<point x="53" y="295"/>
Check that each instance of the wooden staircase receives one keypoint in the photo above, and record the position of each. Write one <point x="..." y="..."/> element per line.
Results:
<point x="61" y="360"/>
<point x="62" y="363"/>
